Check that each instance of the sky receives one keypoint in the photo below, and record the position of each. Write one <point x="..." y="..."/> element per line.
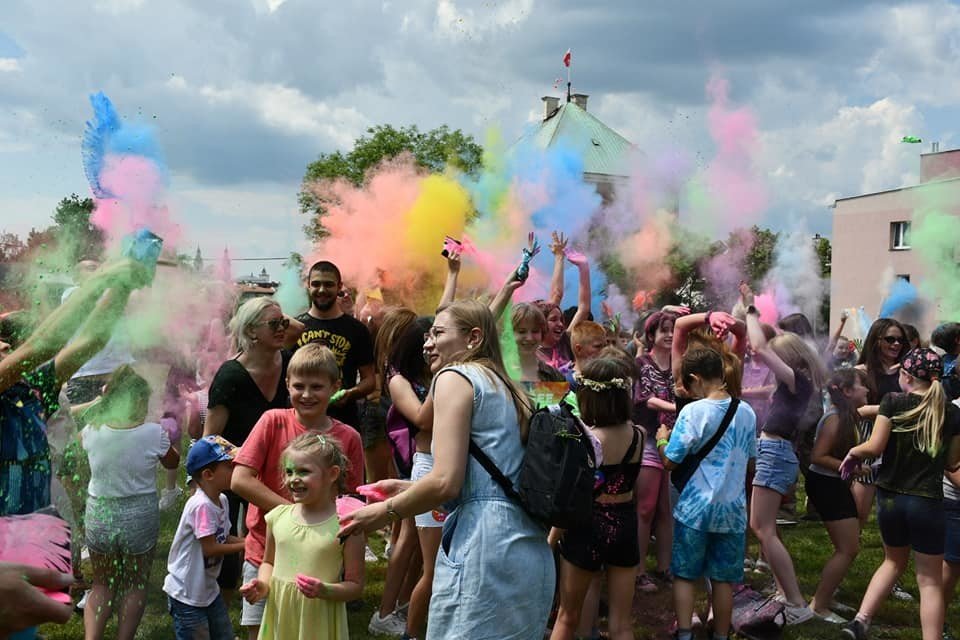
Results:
<point x="245" y="93"/>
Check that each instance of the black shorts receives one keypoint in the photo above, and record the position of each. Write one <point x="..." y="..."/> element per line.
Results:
<point x="951" y="550"/>
<point x="911" y="521"/>
<point x="831" y="497"/>
<point x="373" y="422"/>
<point x="610" y="540"/>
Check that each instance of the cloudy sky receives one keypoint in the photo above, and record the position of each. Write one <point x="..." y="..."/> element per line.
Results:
<point x="244" y="93"/>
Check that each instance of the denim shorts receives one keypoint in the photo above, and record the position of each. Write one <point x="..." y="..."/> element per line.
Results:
<point x="911" y="521"/>
<point x="777" y="465"/>
<point x="951" y="548"/>
<point x="200" y="623"/>
<point x="251" y="615"/>
<point x="718" y="556"/>
<point x="127" y="525"/>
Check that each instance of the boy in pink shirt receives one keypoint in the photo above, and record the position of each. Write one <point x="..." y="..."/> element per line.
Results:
<point x="312" y="378"/>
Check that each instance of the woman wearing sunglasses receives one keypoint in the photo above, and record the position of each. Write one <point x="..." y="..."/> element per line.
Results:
<point x="883" y="348"/>
<point x="246" y="386"/>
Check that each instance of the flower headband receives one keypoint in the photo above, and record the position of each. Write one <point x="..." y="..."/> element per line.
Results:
<point x="924" y="364"/>
<point x="597" y="385"/>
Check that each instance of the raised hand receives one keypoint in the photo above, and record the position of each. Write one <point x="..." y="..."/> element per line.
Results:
<point x="558" y="243"/>
<point x="576" y="257"/>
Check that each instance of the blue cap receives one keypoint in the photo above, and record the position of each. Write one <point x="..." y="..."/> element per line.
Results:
<point x="207" y="451"/>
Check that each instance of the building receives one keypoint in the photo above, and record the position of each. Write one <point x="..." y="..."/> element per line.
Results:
<point x="871" y="234"/>
<point x="254" y="285"/>
<point x="605" y="153"/>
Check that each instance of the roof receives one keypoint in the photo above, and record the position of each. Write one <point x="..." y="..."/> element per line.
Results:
<point x="604" y="151"/>
<point x="906" y="188"/>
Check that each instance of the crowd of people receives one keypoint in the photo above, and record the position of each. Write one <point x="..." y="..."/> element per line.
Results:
<point x="702" y="424"/>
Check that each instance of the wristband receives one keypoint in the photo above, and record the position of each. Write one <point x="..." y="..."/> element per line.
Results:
<point x="662" y="442"/>
<point x="706" y="320"/>
<point x="391" y="512"/>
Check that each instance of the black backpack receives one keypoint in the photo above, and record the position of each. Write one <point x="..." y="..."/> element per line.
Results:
<point x="556" y="484"/>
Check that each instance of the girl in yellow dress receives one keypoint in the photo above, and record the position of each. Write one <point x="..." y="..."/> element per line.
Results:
<point x="304" y="560"/>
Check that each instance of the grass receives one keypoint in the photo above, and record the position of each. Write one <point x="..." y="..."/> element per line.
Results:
<point x="808" y="544"/>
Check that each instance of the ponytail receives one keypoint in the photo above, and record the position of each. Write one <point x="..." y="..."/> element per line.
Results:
<point x="925" y="420"/>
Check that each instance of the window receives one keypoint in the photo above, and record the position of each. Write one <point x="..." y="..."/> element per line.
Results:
<point x="899" y="235"/>
<point x="903" y="276"/>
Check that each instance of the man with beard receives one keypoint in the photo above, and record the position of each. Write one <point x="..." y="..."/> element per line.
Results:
<point x="348" y="338"/>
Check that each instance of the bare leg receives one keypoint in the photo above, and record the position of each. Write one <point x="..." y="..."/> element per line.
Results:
<point x="136" y="574"/>
<point x="376" y="461"/>
<point x="722" y="603"/>
<point x="663" y="525"/>
<point x="420" y="598"/>
<point x="398" y="565"/>
<point x="845" y="535"/>
<point x="863" y="496"/>
<point x="763" y="522"/>
<point x="647" y="490"/>
<point x="951" y="575"/>
<point x="621" y="583"/>
<point x="574" y="583"/>
<point x="683" y="594"/>
<point x="930" y="581"/>
<point x="590" y="611"/>
<point x="893" y="565"/>
<point x="99" y="605"/>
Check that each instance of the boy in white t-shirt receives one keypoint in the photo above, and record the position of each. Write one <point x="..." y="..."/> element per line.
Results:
<point x="198" y="547"/>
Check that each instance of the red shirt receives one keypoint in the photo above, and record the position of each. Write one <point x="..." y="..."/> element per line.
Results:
<point x="261" y="452"/>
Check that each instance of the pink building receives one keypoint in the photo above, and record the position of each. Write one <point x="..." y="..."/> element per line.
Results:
<point x="871" y="233"/>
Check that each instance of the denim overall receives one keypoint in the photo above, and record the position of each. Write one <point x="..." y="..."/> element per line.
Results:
<point x="495" y="574"/>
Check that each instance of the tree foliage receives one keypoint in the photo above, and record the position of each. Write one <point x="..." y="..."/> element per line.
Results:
<point x="76" y="236"/>
<point x="432" y="150"/>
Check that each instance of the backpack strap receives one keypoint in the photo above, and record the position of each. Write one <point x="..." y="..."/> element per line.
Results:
<point x="495" y="473"/>
<point x="633" y="446"/>
<point x="727" y="419"/>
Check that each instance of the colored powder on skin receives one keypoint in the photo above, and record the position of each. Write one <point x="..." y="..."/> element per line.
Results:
<point x="291" y="293"/>
<point x="508" y="345"/>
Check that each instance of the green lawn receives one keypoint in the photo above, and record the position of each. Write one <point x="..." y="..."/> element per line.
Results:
<point x="807" y="542"/>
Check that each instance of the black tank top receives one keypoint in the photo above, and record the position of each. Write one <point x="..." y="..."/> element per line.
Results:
<point x="616" y="479"/>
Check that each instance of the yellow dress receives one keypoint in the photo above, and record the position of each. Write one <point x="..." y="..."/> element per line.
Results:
<point x="314" y="550"/>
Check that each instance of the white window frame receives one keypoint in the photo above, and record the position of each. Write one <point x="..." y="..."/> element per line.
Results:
<point x="900" y="235"/>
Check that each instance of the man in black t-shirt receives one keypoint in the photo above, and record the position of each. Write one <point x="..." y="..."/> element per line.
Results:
<point x="346" y="336"/>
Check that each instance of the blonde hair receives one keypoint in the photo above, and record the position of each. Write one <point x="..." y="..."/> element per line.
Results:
<point x="925" y="420"/>
<point x="325" y="451"/>
<point x="471" y="314"/>
<point x="797" y="354"/>
<point x="524" y="311"/>
<point x="246" y="317"/>
<point x="314" y="359"/>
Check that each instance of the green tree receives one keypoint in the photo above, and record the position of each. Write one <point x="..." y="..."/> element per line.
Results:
<point x="76" y="236"/>
<point x="432" y="150"/>
<point x="759" y="257"/>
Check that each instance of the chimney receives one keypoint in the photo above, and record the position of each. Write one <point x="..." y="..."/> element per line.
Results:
<point x="580" y="99"/>
<point x="934" y="147"/>
<point x="550" y="105"/>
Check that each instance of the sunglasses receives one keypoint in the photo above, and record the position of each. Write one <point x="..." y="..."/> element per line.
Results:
<point x="277" y="324"/>
<point x="894" y="340"/>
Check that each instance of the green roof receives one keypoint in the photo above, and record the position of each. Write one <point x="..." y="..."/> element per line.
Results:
<point x="604" y="151"/>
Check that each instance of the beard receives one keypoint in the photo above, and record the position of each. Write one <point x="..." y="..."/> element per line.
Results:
<point x="324" y="305"/>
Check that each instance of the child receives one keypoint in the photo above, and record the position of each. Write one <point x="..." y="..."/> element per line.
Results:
<point x="300" y="576"/>
<point x="312" y="377"/>
<point x="835" y="436"/>
<point x="916" y="434"/>
<point x="610" y="538"/>
<point x="122" y="515"/>
<point x="710" y="519"/>
<point x="201" y="541"/>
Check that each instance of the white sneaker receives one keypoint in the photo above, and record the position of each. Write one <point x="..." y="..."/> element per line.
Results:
<point x="391" y="625"/>
<point x="797" y="615"/>
<point x="761" y="566"/>
<point x="168" y="498"/>
<point x="901" y="594"/>
<point x="830" y="617"/>
<point x="388" y="549"/>
<point x="369" y="555"/>
<point x="83" y="601"/>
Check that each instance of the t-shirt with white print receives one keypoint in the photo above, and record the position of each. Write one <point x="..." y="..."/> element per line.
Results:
<point x="191" y="578"/>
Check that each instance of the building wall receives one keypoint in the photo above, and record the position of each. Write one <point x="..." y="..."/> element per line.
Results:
<point x="862" y="253"/>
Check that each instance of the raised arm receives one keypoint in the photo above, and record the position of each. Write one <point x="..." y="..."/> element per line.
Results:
<point x="558" y="247"/>
<point x="781" y="370"/>
<point x="583" y="292"/>
<point x="94" y="334"/>
<point x="450" y="286"/>
<point x="835" y="336"/>
<point x="499" y="302"/>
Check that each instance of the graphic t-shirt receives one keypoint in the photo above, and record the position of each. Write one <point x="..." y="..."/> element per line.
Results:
<point x="261" y="452"/>
<point x="905" y="468"/>
<point x="191" y="578"/>
<point x="715" y="498"/>
<point x="350" y="342"/>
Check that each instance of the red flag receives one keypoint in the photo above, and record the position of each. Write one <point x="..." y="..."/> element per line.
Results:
<point x="566" y="58"/>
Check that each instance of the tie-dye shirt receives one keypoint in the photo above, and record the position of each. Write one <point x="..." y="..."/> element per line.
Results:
<point x="715" y="498"/>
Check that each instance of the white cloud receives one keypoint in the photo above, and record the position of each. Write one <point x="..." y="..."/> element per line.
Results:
<point x="116" y="7"/>
<point x="9" y="65"/>
<point x="463" y="22"/>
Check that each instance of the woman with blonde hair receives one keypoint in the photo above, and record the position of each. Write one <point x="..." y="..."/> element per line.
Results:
<point x="800" y="377"/>
<point x="916" y="432"/>
<point x="495" y="574"/>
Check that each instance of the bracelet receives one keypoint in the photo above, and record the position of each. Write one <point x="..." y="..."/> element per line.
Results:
<point x="392" y="512"/>
<point x="706" y="320"/>
<point x="662" y="442"/>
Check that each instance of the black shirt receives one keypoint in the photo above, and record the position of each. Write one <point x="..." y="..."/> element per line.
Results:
<point x="350" y="342"/>
<point x="905" y="468"/>
<point x="233" y="388"/>
<point x="788" y="409"/>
